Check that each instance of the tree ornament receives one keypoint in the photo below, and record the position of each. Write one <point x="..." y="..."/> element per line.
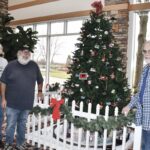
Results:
<point x="112" y="76"/>
<point x="76" y="75"/>
<point x="89" y="61"/>
<point x="103" y="59"/>
<point x="110" y="55"/>
<point x="113" y="91"/>
<point x="119" y="69"/>
<point x="96" y="46"/>
<point x="92" y="53"/>
<point x="77" y="85"/>
<point x="97" y="87"/>
<point x="82" y="53"/>
<point x="106" y="32"/>
<point x="111" y="45"/>
<point x="98" y="20"/>
<point x="89" y="81"/>
<point x="82" y="97"/>
<point x="98" y="6"/>
<point x="72" y="85"/>
<point x="125" y="89"/>
<point x="119" y="58"/>
<point x="83" y="76"/>
<point x="81" y="90"/>
<point x="108" y="103"/>
<point x="103" y="78"/>
<point x="104" y="46"/>
<point x="93" y="70"/>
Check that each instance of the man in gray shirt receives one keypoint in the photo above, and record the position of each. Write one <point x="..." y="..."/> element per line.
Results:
<point x="18" y="86"/>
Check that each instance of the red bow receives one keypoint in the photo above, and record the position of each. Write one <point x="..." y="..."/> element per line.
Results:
<point x="98" y="5"/>
<point x="56" y="108"/>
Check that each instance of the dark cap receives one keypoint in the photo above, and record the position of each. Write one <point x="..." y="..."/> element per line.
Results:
<point x="26" y="47"/>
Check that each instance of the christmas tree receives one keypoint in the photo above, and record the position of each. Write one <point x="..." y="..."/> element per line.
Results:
<point x="97" y="70"/>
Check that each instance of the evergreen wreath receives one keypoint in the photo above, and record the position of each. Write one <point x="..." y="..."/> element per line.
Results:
<point x="98" y="124"/>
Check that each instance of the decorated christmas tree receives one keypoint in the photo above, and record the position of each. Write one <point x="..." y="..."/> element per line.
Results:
<point x="97" y="72"/>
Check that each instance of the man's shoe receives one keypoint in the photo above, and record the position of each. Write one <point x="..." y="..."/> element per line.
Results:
<point x="8" y="147"/>
<point x="1" y="144"/>
<point x="24" y="146"/>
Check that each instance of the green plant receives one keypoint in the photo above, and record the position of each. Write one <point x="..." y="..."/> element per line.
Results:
<point x="14" y="39"/>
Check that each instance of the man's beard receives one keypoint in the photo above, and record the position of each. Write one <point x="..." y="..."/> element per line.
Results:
<point x="147" y="60"/>
<point x="23" y="61"/>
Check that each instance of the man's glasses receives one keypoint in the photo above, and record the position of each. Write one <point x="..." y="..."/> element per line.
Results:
<point x="146" y="52"/>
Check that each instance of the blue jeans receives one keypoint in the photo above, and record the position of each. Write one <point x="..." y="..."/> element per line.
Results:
<point x="145" y="140"/>
<point x="16" y="118"/>
<point x="1" y="118"/>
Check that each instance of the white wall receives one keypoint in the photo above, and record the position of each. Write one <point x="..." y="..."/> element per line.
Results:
<point x="46" y="9"/>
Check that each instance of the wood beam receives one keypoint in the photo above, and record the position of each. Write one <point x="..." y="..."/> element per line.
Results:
<point x="68" y="15"/>
<point x="29" y="4"/>
<point x="139" y="7"/>
<point x="51" y="17"/>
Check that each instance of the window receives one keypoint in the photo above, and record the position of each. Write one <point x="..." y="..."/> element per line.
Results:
<point x="41" y="29"/>
<point x="39" y="55"/>
<point x="57" y="28"/>
<point x="54" y="59"/>
<point x="74" y="26"/>
<point x="60" y="57"/>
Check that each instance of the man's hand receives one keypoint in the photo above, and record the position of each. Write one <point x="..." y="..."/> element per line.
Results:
<point x="126" y="110"/>
<point x="4" y="103"/>
<point x="40" y="96"/>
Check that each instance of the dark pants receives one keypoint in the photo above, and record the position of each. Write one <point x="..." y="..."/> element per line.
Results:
<point x="145" y="139"/>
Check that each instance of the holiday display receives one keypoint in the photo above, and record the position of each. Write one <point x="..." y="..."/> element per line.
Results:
<point x="97" y="70"/>
<point x="55" y="104"/>
<point x="98" y="124"/>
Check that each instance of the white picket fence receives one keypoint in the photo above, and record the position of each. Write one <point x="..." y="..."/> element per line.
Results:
<point x="62" y="135"/>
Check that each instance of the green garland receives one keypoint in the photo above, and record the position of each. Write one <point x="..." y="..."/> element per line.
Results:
<point x="99" y="124"/>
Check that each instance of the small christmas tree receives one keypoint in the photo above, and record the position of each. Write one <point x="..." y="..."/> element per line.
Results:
<point x="97" y="71"/>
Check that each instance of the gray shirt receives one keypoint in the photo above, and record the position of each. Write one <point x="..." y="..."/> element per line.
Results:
<point x="20" y="83"/>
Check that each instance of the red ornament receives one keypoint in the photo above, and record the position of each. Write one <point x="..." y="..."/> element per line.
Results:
<point x="56" y="108"/>
<point x="98" y="6"/>
<point x="83" y="76"/>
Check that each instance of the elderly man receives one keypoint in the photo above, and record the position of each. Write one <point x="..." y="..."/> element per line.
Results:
<point x="142" y="100"/>
<point x="18" y="86"/>
<point x="3" y="63"/>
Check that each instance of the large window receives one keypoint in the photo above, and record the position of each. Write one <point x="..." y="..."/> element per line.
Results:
<point x="62" y="48"/>
<point x="56" y="43"/>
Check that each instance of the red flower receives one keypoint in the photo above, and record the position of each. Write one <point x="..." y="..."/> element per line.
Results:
<point x="98" y="6"/>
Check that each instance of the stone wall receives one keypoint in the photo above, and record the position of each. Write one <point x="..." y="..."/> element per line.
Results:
<point x="3" y="6"/>
<point x="120" y="27"/>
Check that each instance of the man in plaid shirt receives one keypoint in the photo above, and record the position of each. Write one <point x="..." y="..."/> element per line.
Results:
<point x="141" y="100"/>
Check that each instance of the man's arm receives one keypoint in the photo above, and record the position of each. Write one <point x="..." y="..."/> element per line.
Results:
<point x="40" y="92"/>
<point x="3" y="90"/>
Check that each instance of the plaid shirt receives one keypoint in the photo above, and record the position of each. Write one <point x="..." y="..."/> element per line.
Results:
<point x="143" y="111"/>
